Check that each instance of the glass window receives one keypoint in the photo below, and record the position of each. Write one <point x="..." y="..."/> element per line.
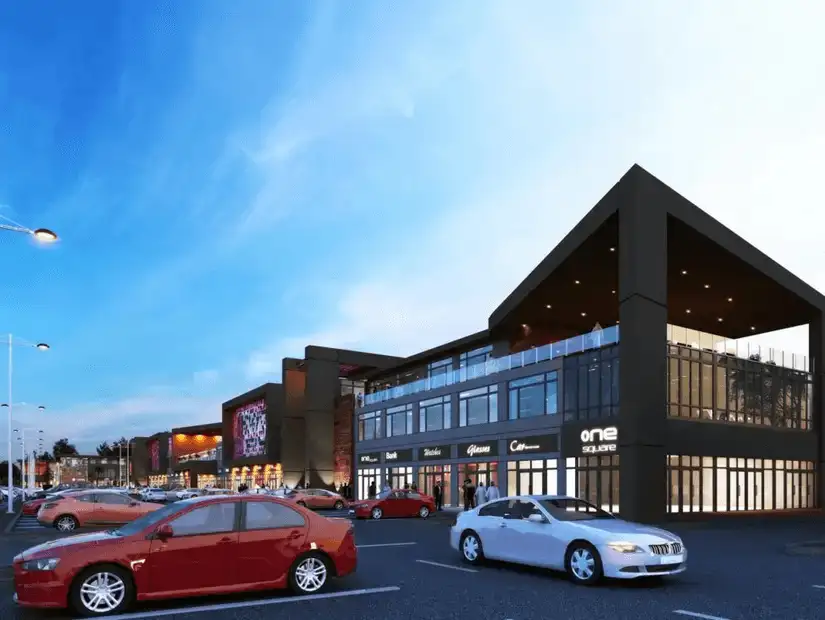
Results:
<point x="527" y="397"/>
<point x="494" y="509"/>
<point x="88" y="498"/>
<point x="212" y="519"/>
<point x="596" y="479"/>
<point x="399" y="421"/>
<point x="113" y="498"/>
<point x="369" y="426"/>
<point x="478" y="406"/>
<point x="434" y="414"/>
<point x="478" y="356"/>
<point x="270" y="515"/>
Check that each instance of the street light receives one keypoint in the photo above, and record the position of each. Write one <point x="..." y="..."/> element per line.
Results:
<point x="40" y="346"/>
<point x="43" y="235"/>
<point x="23" y="446"/>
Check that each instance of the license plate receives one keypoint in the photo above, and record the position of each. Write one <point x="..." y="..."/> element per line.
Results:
<point x="673" y="559"/>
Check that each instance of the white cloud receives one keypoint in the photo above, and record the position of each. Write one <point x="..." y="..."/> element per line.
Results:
<point x="722" y="102"/>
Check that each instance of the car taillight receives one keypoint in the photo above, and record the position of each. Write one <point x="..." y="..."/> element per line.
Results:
<point x="49" y="505"/>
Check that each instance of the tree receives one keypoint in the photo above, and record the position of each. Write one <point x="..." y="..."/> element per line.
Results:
<point x="104" y="449"/>
<point x="62" y="447"/>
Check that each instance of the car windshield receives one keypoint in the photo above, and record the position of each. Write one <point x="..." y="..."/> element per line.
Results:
<point x="384" y="494"/>
<point x="566" y="509"/>
<point x="147" y="520"/>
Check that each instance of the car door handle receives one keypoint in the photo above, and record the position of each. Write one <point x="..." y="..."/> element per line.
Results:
<point x="502" y="524"/>
<point x="294" y="535"/>
<point x="225" y="540"/>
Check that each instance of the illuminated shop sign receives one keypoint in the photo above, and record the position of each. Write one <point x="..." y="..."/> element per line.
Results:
<point x="398" y="456"/>
<point x="599" y="440"/>
<point x="478" y="448"/>
<point x="534" y="444"/>
<point x="370" y="458"/>
<point x="249" y="429"/>
<point x="432" y="453"/>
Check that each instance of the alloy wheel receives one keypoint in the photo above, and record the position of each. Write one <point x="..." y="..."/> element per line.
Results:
<point x="102" y="592"/>
<point x="424" y="512"/>
<point x="66" y="524"/>
<point x="311" y="574"/>
<point x="470" y="548"/>
<point x="377" y="513"/>
<point x="582" y="564"/>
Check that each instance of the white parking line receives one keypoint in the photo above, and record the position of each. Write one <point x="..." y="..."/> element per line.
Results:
<point x="696" y="614"/>
<point x="385" y="545"/>
<point x="819" y="587"/>
<point x="461" y="568"/>
<point x="258" y="603"/>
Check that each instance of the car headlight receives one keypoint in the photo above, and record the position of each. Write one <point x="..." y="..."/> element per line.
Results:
<point x="42" y="564"/>
<point x="625" y="547"/>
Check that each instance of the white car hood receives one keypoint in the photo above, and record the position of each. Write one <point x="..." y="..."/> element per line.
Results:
<point x="67" y="542"/>
<point x="614" y="527"/>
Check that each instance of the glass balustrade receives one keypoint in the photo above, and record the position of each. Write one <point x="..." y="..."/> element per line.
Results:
<point x="577" y="344"/>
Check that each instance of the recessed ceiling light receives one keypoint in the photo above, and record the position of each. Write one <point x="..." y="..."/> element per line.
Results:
<point x="577" y="282"/>
<point x="549" y="307"/>
<point x="684" y="272"/>
<point x="753" y="329"/>
<point x="525" y="326"/>
<point x="613" y="291"/>
<point x="730" y="299"/>
<point x="584" y="313"/>
<point x="707" y="285"/>
<point x="720" y="319"/>
<point x="612" y="249"/>
<point x="687" y="311"/>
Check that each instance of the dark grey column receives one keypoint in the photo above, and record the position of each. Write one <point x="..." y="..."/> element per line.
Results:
<point x="643" y="329"/>
<point x="322" y="389"/>
<point x="816" y="353"/>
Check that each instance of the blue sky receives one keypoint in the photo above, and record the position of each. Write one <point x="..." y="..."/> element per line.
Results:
<point x="232" y="182"/>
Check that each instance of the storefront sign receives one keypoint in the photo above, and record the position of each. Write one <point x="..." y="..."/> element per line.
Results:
<point x="370" y="458"/>
<point x="482" y="449"/>
<point x="432" y="453"/>
<point x="534" y="444"/>
<point x="398" y="456"/>
<point x="250" y="429"/>
<point x="599" y="440"/>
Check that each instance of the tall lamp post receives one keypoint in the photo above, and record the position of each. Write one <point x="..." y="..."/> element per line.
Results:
<point x="26" y="460"/>
<point x="40" y="234"/>
<point x="41" y="346"/>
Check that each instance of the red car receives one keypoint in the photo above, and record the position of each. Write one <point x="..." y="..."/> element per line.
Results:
<point x="31" y="507"/>
<point x="397" y="503"/>
<point x="195" y="547"/>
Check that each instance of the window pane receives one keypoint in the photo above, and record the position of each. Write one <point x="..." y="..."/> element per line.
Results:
<point x="552" y="397"/>
<point x="268" y="515"/>
<point x="531" y="401"/>
<point x="212" y="519"/>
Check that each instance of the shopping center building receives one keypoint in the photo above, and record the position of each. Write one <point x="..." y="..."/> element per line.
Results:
<point x="196" y="455"/>
<point x="298" y="431"/>
<point x="616" y="372"/>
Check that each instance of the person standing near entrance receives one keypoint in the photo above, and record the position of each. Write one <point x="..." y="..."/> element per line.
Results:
<point x="372" y="490"/>
<point x="481" y="494"/>
<point x="468" y="494"/>
<point x="437" y="495"/>
<point x="492" y="492"/>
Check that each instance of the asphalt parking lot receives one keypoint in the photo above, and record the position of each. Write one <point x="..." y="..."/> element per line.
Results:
<point x="407" y="570"/>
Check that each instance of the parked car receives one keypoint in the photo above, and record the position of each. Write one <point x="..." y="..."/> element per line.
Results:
<point x="32" y="507"/>
<point x="205" y="545"/>
<point x="69" y="512"/>
<point x="317" y="499"/>
<point x="153" y="494"/>
<point x="395" y="503"/>
<point x="188" y="493"/>
<point x="567" y="534"/>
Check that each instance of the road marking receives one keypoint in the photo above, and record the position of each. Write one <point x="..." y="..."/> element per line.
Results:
<point x="385" y="545"/>
<point x="245" y="604"/>
<point x="695" y="614"/>
<point x="461" y="568"/>
<point x="819" y="587"/>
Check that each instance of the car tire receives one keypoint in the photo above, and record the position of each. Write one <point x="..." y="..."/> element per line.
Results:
<point x="423" y="512"/>
<point x="309" y="574"/>
<point x="339" y="505"/>
<point x="116" y="579"/>
<point x="583" y="564"/>
<point x="66" y="523"/>
<point x="472" y="551"/>
<point x="376" y="513"/>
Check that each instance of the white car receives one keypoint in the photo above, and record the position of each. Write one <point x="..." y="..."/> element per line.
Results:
<point x="153" y="494"/>
<point x="188" y="493"/>
<point x="568" y="534"/>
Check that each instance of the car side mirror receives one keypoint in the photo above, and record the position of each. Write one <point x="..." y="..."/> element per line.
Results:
<point x="164" y="532"/>
<point x="537" y="518"/>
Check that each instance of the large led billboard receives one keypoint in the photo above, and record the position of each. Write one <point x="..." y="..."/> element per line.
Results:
<point x="249" y="429"/>
<point x="154" y="455"/>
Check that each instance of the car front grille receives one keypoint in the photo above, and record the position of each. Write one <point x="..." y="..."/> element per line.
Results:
<point x="671" y="549"/>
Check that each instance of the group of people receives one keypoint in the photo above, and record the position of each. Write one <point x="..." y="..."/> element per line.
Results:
<point x="477" y="495"/>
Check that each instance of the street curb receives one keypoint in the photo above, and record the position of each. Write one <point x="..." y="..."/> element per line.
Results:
<point x="13" y="522"/>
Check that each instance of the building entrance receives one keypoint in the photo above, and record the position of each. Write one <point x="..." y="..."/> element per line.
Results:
<point x="430" y="474"/>
<point x="398" y="477"/>
<point x="367" y="477"/>
<point x="535" y="477"/>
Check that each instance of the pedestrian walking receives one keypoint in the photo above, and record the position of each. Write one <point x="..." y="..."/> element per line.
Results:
<point x="437" y="495"/>
<point x="468" y="494"/>
<point x="492" y="491"/>
<point x="480" y="494"/>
